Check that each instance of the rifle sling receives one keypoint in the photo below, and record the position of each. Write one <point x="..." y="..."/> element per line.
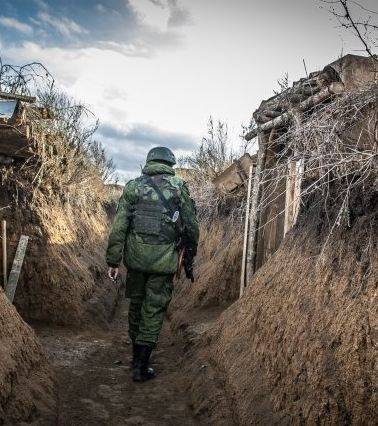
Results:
<point x="164" y="201"/>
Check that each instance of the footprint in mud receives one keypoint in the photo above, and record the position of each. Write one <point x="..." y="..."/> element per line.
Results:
<point x="110" y="393"/>
<point x="96" y="409"/>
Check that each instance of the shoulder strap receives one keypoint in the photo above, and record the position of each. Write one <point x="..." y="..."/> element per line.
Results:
<point x="166" y="204"/>
<point x="160" y="194"/>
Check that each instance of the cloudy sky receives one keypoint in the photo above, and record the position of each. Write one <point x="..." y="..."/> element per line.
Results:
<point x="155" y="70"/>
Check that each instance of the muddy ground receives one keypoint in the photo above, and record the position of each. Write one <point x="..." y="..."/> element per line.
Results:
<point x="94" y="384"/>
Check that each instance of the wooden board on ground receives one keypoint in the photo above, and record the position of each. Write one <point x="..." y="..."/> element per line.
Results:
<point x="236" y="174"/>
<point x="11" y="287"/>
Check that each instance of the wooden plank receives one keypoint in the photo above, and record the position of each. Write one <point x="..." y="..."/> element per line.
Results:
<point x="297" y="189"/>
<point x="14" y="275"/>
<point x="231" y="178"/>
<point x="246" y="226"/>
<point x="23" y="98"/>
<point x="269" y="221"/>
<point x="4" y="251"/>
<point x="290" y="184"/>
<point x="254" y="212"/>
<point x="293" y="193"/>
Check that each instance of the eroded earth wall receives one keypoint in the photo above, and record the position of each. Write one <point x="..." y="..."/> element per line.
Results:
<point x="26" y="380"/>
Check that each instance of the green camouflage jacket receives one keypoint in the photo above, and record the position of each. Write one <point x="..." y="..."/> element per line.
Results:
<point x="143" y="232"/>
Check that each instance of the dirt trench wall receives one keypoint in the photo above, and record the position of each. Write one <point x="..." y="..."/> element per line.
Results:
<point x="300" y="346"/>
<point x="26" y="381"/>
<point x="63" y="278"/>
<point x="217" y="273"/>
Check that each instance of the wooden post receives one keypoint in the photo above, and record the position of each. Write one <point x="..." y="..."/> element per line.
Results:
<point x="289" y="201"/>
<point x="254" y="212"/>
<point x="246" y="226"/>
<point x="10" y="289"/>
<point x="293" y="193"/>
<point x="4" y="251"/>
<point x="299" y="170"/>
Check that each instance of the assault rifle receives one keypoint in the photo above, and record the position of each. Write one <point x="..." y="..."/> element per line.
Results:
<point x="186" y="262"/>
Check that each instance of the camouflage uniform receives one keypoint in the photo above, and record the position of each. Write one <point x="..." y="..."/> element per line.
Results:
<point x="144" y="234"/>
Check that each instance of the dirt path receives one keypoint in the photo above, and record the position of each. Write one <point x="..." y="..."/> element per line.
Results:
<point x="93" y="371"/>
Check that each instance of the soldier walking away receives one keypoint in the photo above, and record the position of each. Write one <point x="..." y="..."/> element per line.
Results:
<point x="155" y="221"/>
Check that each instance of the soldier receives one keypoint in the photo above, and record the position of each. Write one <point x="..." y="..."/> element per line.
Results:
<point x="155" y="219"/>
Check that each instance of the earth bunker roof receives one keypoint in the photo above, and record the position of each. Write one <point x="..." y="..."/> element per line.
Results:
<point x="17" y="114"/>
<point x="317" y="132"/>
<point x="347" y="73"/>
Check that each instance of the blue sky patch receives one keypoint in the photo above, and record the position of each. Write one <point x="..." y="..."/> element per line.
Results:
<point x="69" y="24"/>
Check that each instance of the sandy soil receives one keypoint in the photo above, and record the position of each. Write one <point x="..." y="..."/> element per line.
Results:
<point x="300" y="346"/>
<point x="26" y="379"/>
<point x="95" y="388"/>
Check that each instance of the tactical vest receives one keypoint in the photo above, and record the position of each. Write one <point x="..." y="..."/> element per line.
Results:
<point x="154" y="217"/>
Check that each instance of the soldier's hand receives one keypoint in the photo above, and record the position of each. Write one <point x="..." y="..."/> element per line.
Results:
<point x="113" y="273"/>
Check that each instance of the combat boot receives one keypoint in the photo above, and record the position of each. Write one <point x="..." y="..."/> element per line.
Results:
<point x="141" y="370"/>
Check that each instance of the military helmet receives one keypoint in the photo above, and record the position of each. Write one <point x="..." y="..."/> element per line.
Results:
<point x="161" y="153"/>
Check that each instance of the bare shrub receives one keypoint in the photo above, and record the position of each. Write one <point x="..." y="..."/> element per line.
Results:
<point x="213" y="155"/>
<point x="206" y="163"/>
<point x="360" y="21"/>
<point x="25" y="79"/>
<point x="69" y="166"/>
<point x="336" y="150"/>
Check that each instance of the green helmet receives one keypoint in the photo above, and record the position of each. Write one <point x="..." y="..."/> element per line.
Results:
<point x="161" y="153"/>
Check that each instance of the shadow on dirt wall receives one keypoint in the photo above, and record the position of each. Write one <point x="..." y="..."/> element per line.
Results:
<point x="65" y="283"/>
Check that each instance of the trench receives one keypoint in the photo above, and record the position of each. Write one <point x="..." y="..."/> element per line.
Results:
<point x="93" y="373"/>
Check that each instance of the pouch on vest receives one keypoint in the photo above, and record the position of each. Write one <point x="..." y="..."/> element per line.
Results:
<point x="148" y="218"/>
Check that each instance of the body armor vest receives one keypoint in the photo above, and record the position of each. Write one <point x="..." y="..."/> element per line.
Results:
<point x="154" y="217"/>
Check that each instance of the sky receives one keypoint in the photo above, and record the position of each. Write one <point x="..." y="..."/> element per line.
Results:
<point x="153" y="71"/>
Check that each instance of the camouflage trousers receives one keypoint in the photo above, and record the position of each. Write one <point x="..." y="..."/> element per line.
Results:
<point x="150" y="295"/>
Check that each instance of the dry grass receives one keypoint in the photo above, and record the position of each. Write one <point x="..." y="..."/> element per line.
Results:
<point x="335" y="146"/>
<point x="58" y="198"/>
<point x="298" y="348"/>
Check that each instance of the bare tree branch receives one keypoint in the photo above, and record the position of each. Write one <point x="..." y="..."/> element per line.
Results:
<point x="364" y="28"/>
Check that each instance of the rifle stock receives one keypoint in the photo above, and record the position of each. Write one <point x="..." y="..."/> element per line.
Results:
<point x="180" y="263"/>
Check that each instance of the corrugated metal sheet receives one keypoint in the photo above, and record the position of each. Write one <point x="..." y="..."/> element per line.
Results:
<point x="7" y="108"/>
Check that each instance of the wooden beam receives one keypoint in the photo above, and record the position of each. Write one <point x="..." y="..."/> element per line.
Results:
<point x="255" y="201"/>
<point x="293" y="193"/>
<point x="333" y="89"/>
<point x="289" y="198"/>
<point x="14" y="275"/>
<point x="245" y="242"/>
<point x="15" y="96"/>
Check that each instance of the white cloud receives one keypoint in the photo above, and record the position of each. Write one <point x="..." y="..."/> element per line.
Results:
<point x="151" y="13"/>
<point x="16" y="25"/>
<point x="223" y="68"/>
<point x="161" y="14"/>
<point x="41" y="4"/>
<point x="178" y="15"/>
<point x="100" y="7"/>
<point x="66" y="27"/>
<point x="137" y="48"/>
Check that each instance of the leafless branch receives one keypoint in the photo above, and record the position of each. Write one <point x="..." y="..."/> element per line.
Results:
<point x="365" y="28"/>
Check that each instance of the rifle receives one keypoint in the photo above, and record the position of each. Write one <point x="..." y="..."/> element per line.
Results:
<point x="185" y="262"/>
